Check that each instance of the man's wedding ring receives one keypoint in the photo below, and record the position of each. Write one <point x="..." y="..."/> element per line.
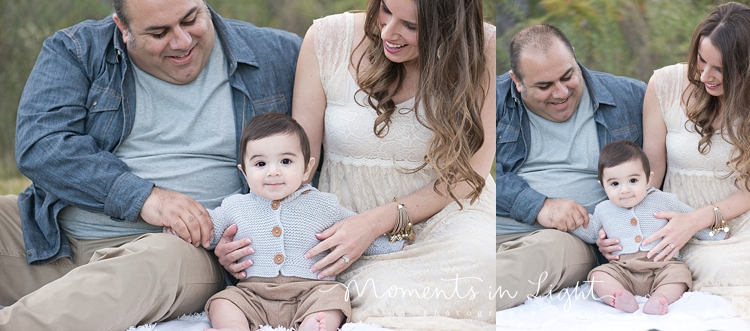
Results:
<point x="346" y="259"/>
<point x="671" y="245"/>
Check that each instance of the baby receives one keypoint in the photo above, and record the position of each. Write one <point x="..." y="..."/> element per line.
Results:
<point x="625" y="174"/>
<point x="281" y="216"/>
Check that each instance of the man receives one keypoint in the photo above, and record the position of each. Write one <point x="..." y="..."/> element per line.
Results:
<point x="553" y="116"/>
<point x="127" y="125"/>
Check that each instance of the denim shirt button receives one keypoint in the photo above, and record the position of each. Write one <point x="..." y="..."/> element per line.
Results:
<point x="94" y="104"/>
<point x="29" y="253"/>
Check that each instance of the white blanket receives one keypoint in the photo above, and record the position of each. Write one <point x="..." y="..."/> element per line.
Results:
<point x="199" y="322"/>
<point x="577" y="309"/>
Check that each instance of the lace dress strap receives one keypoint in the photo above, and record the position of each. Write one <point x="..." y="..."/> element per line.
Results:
<point x="333" y="42"/>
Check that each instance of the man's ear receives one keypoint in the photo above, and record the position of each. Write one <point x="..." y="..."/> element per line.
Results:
<point x="123" y="29"/>
<point x="516" y="81"/>
<point x="308" y="169"/>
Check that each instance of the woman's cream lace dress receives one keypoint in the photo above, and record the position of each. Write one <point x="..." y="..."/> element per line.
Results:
<point x="718" y="267"/>
<point x="444" y="279"/>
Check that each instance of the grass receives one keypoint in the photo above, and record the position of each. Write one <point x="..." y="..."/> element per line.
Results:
<point x="13" y="185"/>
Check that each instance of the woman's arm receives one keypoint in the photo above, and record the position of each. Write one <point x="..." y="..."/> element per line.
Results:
<point x="309" y="99"/>
<point x="654" y="135"/>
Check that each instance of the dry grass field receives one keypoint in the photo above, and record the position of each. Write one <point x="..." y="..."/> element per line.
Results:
<point x="13" y="185"/>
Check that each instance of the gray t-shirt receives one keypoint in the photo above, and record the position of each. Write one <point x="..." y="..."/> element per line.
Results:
<point x="183" y="139"/>
<point x="561" y="162"/>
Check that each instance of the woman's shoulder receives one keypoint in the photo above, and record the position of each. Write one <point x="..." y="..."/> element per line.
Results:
<point x="336" y="21"/>
<point x="489" y="31"/>
<point x="671" y="72"/>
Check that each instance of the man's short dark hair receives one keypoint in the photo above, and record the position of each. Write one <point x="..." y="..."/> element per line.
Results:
<point x="619" y="152"/>
<point x="539" y="37"/>
<point x="120" y="11"/>
<point x="269" y="124"/>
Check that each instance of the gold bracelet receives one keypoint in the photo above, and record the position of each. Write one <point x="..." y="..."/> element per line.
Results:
<point x="719" y="223"/>
<point x="403" y="227"/>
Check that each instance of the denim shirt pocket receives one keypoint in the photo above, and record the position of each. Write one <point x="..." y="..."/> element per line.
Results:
<point x="507" y="136"/>
<point x="103" y="116"/>
<point x="273" y="103"/>
<point x="629" y="133"/>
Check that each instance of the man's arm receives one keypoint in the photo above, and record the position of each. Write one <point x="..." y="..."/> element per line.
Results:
<point x="55" y="148"/>
<point x="70" y="119"/>
<point x="515" y="198"/>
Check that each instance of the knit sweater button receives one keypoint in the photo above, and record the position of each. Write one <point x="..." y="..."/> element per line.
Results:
<point x="638" y="238"/>
<point x="278" y="258"/>
<point x="275" y="204"/>
<point x="276" y="231"/>
<point x="633" y="221"/>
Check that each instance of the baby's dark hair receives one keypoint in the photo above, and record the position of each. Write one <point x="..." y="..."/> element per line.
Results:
<point x="619" y="152"/>
<point x="269" y="124"/>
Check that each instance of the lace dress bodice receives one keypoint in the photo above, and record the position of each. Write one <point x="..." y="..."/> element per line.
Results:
<point x="364" y="170"/>
<point x="697" y="179"/>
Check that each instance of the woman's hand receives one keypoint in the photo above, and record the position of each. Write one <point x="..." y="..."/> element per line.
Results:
<point x="607" y="246"/>
<point x="349" y="237"/>
<point x="229" y="252"/>
<point x="680" y="228"/>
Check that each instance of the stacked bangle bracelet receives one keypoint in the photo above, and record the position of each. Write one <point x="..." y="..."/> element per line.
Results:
<point x="719" y="223"/>
<point x="403" y="227"/>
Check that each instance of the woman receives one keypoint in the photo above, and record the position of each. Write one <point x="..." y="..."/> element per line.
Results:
<point x="402" y="99"/>
<point x="696" y="124"/>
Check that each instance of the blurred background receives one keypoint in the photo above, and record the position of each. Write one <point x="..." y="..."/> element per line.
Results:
<point x="623" y="37"/>
<point x="25" y="24"/>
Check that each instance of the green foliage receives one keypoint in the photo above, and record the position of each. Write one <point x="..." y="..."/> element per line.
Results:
<point x="624" y="37"/>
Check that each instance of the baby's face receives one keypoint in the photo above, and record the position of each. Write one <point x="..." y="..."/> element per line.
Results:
<point x="626" y="183"/>
<point x="275" y="166"/>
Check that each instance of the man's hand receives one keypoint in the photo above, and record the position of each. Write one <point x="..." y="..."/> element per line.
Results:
<point x="562" y="214"/>
<point x="608" y="245"/>
<point x="186" y="217"/>
<point x="229" y="252"/>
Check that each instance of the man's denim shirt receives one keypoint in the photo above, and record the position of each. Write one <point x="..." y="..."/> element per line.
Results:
<point x="618" y="105"/>
<point x="79" y="105"/>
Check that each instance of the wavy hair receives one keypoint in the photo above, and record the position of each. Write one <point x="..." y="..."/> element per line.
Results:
<point x="451" y="66"/>
<point x="728" y="28"/>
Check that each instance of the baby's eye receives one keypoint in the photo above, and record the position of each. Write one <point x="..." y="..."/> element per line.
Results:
<point x="260" y="164"/>
<point x="633" y="181"/>
<point x="614" y="184"/>
<point x="286" y="161"/>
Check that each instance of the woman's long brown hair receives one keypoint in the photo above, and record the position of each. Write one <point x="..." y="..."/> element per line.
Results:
<point x="728" y="29"/>
<point x="452" y="67"/>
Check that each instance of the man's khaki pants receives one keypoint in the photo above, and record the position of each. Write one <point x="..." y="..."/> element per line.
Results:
<point x="537" y="263"/>
<point x="114" y="283"/>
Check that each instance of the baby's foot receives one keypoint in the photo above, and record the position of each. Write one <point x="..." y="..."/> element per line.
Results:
<point x="315" y="322"/>
<point x="656" y="307"/>
<point x="624" y="301"/>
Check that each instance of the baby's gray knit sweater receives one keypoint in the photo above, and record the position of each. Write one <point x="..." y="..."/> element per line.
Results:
<point x="632" y="225"/>
<point x="282" y="231"/>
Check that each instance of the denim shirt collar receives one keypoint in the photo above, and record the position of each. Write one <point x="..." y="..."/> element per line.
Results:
<point x="598" y="93"/>
<point x="234" y="48"/>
